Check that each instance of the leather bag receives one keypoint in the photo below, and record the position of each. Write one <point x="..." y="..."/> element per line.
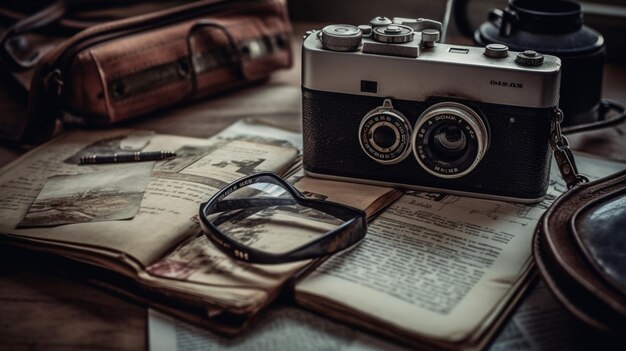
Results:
<point x="580" y="250"/>
<point x="120" y="69"/>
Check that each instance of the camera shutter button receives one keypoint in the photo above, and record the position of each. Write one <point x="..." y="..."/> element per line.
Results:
<point x="529" y="58"/>
<point x="496" y="51"/>
<point x="391" y="29"/>
<point x="380" y="21"/>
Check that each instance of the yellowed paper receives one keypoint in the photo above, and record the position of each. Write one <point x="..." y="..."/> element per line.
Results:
<point x="197" y="261"/>
<point x="169" y="208"/>
<point x="437" y="266"/>
<point x="169" y="204"/>
<point x="113" y="194"/>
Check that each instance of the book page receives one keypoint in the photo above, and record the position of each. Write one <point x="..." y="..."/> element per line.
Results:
<point x="280" y="328"/>
<point x="540" y="323"/>
<point x="434" y="265"/>
<point x="170" y="202"/>
<point x="197" y="265"/>
<point x="163" y="240"/>
<point x="369" y="198"/>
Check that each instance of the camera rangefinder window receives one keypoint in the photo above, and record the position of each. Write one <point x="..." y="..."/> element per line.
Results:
<point x="450" y="139"/>
<point x="385" y="136"/>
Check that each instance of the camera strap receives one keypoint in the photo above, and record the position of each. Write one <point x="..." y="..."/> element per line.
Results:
<point x="563" y="154"/>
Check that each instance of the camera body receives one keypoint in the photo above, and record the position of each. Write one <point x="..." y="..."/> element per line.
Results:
<point x="385" y="104"/>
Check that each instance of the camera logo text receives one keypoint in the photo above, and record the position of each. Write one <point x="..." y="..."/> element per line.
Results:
<point x="506" y="84"/>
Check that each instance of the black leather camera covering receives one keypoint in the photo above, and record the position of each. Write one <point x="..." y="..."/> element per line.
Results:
<point x="515" y="165"/>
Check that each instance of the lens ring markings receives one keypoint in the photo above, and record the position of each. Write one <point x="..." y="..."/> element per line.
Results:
<point x="441" y="118"/>
<point x="384" y="135"/>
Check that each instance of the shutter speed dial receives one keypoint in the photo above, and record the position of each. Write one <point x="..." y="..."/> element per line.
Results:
<point x="341" y="37"/>
<point x="529" y="58"/>
<point x="394" y="33"/>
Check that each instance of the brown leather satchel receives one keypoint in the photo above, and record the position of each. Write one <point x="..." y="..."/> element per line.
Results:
<point x="580" y="250"/>
<point x="124" y="68"/>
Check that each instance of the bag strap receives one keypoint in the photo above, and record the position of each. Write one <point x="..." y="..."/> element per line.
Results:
<point x="606" y="106"/>
<point x="54" y="14"/>
<point x="11" y="38"/>
<point x="237" y="55"/>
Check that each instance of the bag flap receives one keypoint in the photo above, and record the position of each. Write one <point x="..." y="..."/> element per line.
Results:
<point x="600" y="231"/>
<point x="566" y="269"/>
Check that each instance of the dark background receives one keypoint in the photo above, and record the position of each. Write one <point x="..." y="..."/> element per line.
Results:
<point x="41" y="309"/>
<point x="606" y="16"/>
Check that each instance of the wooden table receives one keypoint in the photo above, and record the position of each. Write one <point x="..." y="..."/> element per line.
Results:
<point x="40" y="309"/>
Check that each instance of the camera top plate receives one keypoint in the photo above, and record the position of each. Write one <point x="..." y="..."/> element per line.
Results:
<point x="413" y="71"/>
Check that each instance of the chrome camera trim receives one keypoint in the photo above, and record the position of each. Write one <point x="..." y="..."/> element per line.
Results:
<point x="426" y="189"/>
<point x="437" y="71"/>
<point x="470" y="117"/>
<point x="387" y="109"/>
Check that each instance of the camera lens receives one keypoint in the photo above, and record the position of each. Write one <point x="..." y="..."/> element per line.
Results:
<point x="384" y="134"/>
<point x="449" y="140"/>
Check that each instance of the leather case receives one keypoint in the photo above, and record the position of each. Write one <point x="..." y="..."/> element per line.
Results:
<point x="580" y="250"/>
<point x="121" y="69"/>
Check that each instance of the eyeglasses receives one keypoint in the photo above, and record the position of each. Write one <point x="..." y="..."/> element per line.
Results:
<point x="262" y="219"/>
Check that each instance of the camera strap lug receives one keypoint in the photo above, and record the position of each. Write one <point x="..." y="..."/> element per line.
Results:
<point x="563" y="154"/>
<point x="387" y="104"/>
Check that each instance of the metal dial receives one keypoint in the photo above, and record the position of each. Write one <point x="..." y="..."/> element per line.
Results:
<point x="341" y="37"/>
<point x="394" y="33"/>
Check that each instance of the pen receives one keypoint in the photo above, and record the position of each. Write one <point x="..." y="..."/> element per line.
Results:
<point x="127" y="157"/>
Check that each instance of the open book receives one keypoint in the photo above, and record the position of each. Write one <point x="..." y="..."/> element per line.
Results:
<point x="435" y="270"/>
<point x="438" y="271"/>
<point x="137" y="222"/>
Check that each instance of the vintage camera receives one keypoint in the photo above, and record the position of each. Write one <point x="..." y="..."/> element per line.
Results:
<point x="384" y="103"/>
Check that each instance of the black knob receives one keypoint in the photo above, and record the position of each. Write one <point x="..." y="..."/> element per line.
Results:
<point x="496" y="51"/>
<point x="529" y="58"/>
